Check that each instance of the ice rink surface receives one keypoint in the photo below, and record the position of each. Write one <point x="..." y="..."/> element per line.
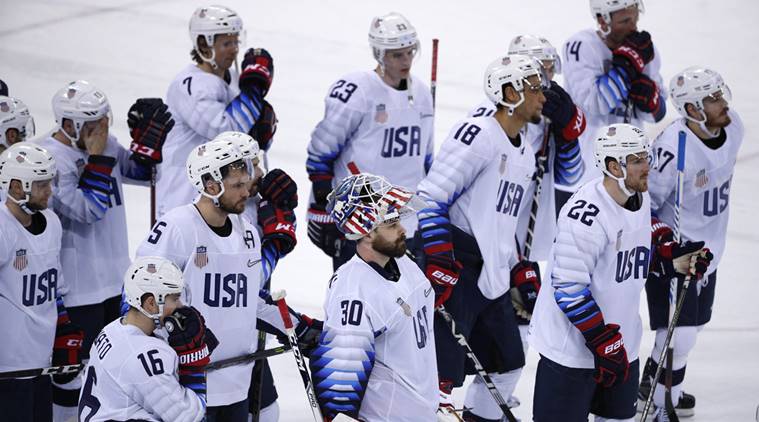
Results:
<point x="133" y="49"/>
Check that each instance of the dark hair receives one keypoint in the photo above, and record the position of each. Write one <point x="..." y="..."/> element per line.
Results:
<point x="201" y="44"/>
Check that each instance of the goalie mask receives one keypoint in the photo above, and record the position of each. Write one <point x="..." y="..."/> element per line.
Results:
<point x="360" y="203"/>
<point x="14" y="114"/>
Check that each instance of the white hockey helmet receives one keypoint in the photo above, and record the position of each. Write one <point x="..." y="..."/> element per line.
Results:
<point x="206" y="161"/>
<point x="618" y="141"/>
<point x="391" y="32"/>
<point x="362" y="202"/>
<point x="80" y="102"/>
<point x="693" y="85"/>
<point x="536" y="47"/>
<point x="14" y="114"/>
<point x="210" y="21"/>
<point x="247" y="145"/>
<point x="511" y="69"/>
<point x="27" y="163"/>
<point x="152" y="275"/>
<point x="604" y="8"/>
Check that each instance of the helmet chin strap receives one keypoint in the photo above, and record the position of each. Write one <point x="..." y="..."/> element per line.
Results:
<point x="23" y="203"/>
<point x="702" y="124"/>
<point x="512" y="107"/>
<point x="210" y="60"/>
<point x="621" y="180"/>
<point x="155" y="317"/>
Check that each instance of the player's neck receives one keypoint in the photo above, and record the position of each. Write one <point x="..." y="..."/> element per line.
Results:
<point x="213" y="215"/>
<point x="136" y="318"/>
<point x="395" y="83"/>
<point x="612" y="187"/>
<point x="208" y="68"/>
<point x="16" y="211"/>
<point x="510" y="124"/>
<point x="368" y="254"/>
<point x="699" y="131"/>
<point x="608" y="41"/>
<point x="60" y="137"/>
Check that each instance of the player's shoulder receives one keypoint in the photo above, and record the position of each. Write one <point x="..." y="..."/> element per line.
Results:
<point x="587" y="35"/>
<point x="119" y="347"/>
<point x="668" y="137"/>
<point x="587" y="210"/>
<point x="181" y="216"/>
<point x="198" y="83"/>
<point x="485" y="108"/>
<point x="52" y="220"/>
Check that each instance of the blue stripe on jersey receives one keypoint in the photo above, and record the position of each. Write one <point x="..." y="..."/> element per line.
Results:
<point x="613" y="88"/>
<point x="580" y="308"/>
<point x="341" y="366"/>
<point x="568" y="164"/>
<point x="244" y="111"/>
<point x="322" y="162"/>
<point x="427" y="163"/>
<point x="270" y="255"/>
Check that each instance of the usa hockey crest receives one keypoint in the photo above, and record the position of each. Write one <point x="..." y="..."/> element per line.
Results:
<point x="201" y="257"/>
<point x="380" y="114"/>
<point x="701" y="179"/>
<point x="20" y="262"/>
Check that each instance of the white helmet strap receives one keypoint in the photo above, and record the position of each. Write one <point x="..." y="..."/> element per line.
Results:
<point x="620" y="180"/>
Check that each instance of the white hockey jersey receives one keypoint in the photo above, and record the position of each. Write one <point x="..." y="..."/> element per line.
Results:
<point x="30" y="271"/>
<point x="375" y="126"/>
<point x="706" y="190"/>
<point x="133" y="376"/>
<point x="480" y="182"/>
<point x="222" y="280"/>
<point x="586" y="57"/>
<point x="380" y="329"/>
<point x="197" y="101"/>
<point x="605" y="248"/>
<point x="545" y="221"/>
<point x="94" y="252"/>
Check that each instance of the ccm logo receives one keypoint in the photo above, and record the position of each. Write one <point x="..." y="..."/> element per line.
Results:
<point x="445" y="278"/>
<point x="614" y="347"/>
<point x="72" y="342"/>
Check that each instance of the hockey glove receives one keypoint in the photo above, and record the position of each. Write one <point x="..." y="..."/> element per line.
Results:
<point x="149" y="123"/>
<point x="673" y="258"/>
<point x="278" y="225"/>
<point x="645" y="95"/>
<point x="642" y="44"/>
<point x="525" y="277"/>
<point x="67" y="348"/>
<point x="323" y="232"/>
<point x="567" y="119"/>
<point x="610" y="356"/>
<point x="280" y="189"/>
<point x="265" y="127"/>
<point x="257" y="71"/>
<point x="446" y="410"/>
<point x="308" y="331"/>
<point x="194" y="343"/>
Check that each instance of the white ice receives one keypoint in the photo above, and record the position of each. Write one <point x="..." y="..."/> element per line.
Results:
<point x="132" y="49"/>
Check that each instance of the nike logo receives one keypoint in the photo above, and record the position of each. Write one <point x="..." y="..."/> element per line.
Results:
<point x="252" y="262"/>
<point x="427" y="292"/>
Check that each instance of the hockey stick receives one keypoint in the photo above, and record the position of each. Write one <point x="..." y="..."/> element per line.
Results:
<point x="153" y="176"/>
<point x="67" y="369"/>
<point x="279" y="298"/>
<point x="433" y="78"/>
<point x="484" y="377"/>
<point x="675" y="302"/>
<point x="542" y="158"/>
<point x="258" y="371"/>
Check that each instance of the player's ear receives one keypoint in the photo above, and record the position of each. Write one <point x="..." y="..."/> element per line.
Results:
<point x="692" y="111"/>
<point x="602" y="23"/>
<point x="15" y="189"/>
<point x="510" y="94"/>
<point x="212" y="187"/>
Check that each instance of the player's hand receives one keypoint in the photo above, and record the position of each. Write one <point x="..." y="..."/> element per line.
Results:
<point x="644" y="93"/>
<point x="660" y="232"/>
<point x="610" y="357"/>
<point x="94" y="135"/>
<point x="265" y="127"/>
<point x="257" y="71"/>
<point x="308" y="331"/>
<point x="189" y="337"/>
<point x="149" y="123"/>
<point x="641" y="42"/>
<point x="67" y="348"/>
<point x="323" y="232"/>
<point x="674" y="258"/>
<point x="567" y="119"/>
<point x="525" y="277"/>
<point x="442" y="269"/>
<point x="280" y="189"/>
<point x="278" y="225"/>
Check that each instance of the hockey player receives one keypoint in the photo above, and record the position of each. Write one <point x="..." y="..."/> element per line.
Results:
<point x="475" y="193"/>
<point x="88" y="198"/>
<point x="133" y="372"/>
<point x="377" y="351"/>
<point x="225" y="261"/>
<point x="207" y="98"/>
<point x="714" y="134"/>
<point x="16" y="125"/>
<point x="555" y="138"/>
<point x="586" y="324"/>
<point x="380" y="120"/>
<point x="30" y="294"/>
<point x="613" y="73"/>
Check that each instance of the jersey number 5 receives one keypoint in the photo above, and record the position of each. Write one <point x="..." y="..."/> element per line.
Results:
<point x="587" y="214"/>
